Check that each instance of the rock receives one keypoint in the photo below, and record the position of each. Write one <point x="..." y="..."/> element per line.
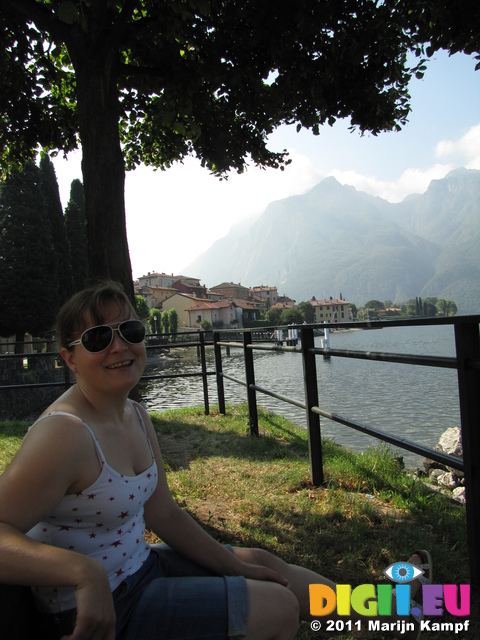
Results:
<point x="448" y="480"/>
<point x="459" y="494"/>
<point x="428" y="464"/>
<point x="451" y="442"/>
<point x="435" y="474"/>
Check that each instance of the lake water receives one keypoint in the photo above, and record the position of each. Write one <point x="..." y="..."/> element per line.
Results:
<point x="418" y="403"/>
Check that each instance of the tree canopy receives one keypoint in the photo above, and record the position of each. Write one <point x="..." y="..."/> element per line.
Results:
<point x="152" y="81"/>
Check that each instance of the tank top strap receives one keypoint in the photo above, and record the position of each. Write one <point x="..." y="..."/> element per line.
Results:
<point x="98" y="449"/>
<point x="142" y="423"/>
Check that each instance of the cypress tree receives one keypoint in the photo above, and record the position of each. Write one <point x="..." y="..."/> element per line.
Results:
<point x="165" y="321"/>
<point x="173" y="320"/>
<point x="28" y="297"/>
<point x="77" y="235"/>
<point x="63" y="259"/>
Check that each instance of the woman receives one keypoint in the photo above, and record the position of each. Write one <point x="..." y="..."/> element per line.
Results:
<point x="89" y="476"/>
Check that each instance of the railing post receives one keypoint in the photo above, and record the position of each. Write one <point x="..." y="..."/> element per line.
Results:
<point x="250" y="378"/>
<point x="217" y="349"/>
<point x="468" y="348"/>
<point x="204" y="372"/>
<point x="311" y="400"/>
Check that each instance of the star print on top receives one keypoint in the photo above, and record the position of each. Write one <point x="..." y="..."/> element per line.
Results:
<point x="105" y="522"/>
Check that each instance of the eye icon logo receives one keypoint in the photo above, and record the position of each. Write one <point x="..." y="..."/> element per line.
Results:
<point x="402" y="572"/>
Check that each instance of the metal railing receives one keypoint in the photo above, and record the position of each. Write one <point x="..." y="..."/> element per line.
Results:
<point x="466" y="363"/>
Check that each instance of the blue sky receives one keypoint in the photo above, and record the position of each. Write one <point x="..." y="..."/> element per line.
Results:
<point x="174" y="216"/>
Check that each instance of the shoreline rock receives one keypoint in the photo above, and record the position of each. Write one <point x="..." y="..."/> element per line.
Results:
<point x="443" y="478"/>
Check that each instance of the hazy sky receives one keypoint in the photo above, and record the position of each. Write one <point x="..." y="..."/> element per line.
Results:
<point x="173" y="216"/>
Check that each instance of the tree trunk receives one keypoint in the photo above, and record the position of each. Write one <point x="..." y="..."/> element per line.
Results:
<point x="102" y="165"/>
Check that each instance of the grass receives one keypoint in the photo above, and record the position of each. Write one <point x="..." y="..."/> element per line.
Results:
<point x="257" y="492"/>
<point x="11" y="435"/>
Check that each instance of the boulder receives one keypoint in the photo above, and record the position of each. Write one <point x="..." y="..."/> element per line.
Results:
<point x="435" y="474"/>
<point x="448" y="478"/>
<point x="451" y="442"/>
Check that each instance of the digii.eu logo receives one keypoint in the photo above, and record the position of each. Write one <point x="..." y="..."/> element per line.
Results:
<point x="350" y="607"/>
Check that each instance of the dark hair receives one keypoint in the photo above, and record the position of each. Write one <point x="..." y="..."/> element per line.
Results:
<point x="89" y="305"/>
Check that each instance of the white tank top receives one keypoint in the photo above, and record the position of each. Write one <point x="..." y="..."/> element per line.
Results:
<point x="105" y="522"/>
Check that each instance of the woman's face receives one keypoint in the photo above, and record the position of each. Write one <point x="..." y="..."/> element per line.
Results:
<point x="116" y="369"/>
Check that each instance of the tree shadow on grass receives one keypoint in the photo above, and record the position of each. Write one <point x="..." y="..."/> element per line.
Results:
<point x="348" y="550"/>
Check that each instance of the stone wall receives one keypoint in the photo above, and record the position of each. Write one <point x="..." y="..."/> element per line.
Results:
<point x="28" y="403"/>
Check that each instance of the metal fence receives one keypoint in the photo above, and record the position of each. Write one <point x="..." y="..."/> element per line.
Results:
<point x="466" y="363"/>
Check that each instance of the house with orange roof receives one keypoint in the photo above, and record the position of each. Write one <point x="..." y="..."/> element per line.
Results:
<point x="221" y="314"/>
<point x="229" y="290"/>
<point x="331" y="310"/>
<point x="269" y="295"/>
<point x="181" y="302"/>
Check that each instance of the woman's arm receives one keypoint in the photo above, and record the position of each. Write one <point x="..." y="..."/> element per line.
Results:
<point x="175" y="527"/>
<point x="27" y="562"/>
<point x="51" y="461"/>
<point x="47" y="464"/>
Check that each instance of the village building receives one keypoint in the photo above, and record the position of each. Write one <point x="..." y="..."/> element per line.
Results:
<point x="154" y="296"/>
<point x="155" y="287"/>
<point x="229" y="291"/>
<point x="190" y="286"/>
<point x="331" y="310"/>
<point x="157" y="280"/>
<point x="250" y="312"/>
<point x="181" y="302"/>
<point x="284" y="302"/>
<point x="222" y="314"/>
<point x="268" y="295"/>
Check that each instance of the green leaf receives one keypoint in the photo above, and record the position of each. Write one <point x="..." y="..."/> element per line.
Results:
<point x="179" y="128"/>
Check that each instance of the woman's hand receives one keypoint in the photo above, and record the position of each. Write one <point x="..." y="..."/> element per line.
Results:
<point x="260" y="572"/>
<point x="95" y="610"/>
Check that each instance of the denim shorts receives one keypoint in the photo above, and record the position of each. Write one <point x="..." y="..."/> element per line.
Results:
<point x="171" y="597"/>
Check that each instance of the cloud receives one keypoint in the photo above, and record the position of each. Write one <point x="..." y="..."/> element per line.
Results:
<point x="410" y="181"/>
<point x="464" y="152"/>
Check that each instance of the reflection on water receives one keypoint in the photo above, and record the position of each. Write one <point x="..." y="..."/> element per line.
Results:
<point x="415" y="402"/>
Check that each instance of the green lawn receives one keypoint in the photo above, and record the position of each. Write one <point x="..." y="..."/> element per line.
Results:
<point x="257" y="492"/>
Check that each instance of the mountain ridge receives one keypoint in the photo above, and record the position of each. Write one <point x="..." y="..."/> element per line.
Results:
<point x="336" y="239"/>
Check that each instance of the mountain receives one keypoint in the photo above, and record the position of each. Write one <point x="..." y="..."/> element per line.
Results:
<point x="335" y="239"/>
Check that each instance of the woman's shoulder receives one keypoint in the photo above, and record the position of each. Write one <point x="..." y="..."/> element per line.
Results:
<point x="63" y="416"/>
<point x="64" y="430"/>
<point x="66" y="403"/>
<point x="51" y="458"/>
<point x="139" y="408"/>
<point x="143" y="416"/>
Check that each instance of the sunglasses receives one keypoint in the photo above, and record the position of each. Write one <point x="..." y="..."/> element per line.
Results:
<point x="97" y="339"/>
